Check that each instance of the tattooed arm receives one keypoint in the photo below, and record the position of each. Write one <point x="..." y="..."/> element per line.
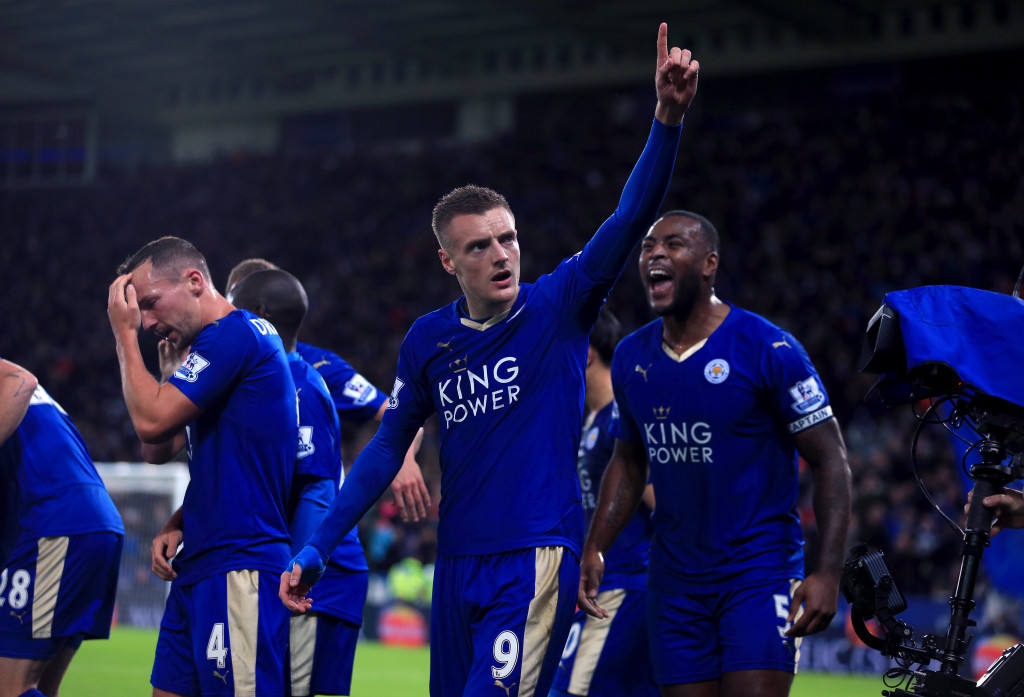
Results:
<point x="622" y="487"/>
<point x="823" y="448"/>
<point x="16" y="388"/>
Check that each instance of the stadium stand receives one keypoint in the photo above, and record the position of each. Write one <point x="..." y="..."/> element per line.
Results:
<point x="832" y="187"/>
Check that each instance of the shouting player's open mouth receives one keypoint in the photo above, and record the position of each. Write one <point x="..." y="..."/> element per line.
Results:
<point x="659" y="283"/>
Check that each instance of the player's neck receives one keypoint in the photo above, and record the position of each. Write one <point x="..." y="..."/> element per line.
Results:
<point x="599" y="393"/>
<point x="213" y="307"/>
<point x="481" y="311"/>
<point x="681" y="332"/>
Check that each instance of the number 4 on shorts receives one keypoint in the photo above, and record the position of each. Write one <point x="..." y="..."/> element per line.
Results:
<point x="215" y="649"/>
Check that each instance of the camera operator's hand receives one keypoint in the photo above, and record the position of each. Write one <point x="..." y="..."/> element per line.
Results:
<point x="1007" y="506"/>
<point x="819" y="597"/>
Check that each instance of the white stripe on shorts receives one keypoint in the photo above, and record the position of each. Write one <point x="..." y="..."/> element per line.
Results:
<point x="794" y="583"/>
<point x="592" y="638"/>
<point x="540" y="618"/>
<point x="243" y="587"/>
<point x="53" y="551"/>
<point x="302" y="646"/>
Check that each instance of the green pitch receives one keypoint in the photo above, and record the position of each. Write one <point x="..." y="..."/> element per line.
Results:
<point x="120" y="668"/>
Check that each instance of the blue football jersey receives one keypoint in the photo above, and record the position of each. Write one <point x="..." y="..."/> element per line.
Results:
<point x="508" y="393"/>
<point x="509" y="396"/>
<point x="319" y="456"/>
<point x="241" y="449"/>
<point x="49" y="486"/>
<point x="355" y="398"/>
<point x="717" y="426"/>
<point x="625" y="564"/>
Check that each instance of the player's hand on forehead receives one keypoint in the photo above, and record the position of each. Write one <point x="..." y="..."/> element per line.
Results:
<point x="123" y="306"/>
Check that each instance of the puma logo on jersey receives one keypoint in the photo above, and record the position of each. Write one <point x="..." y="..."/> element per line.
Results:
<point x="20" y="616"/>
<point x="508" y="690"/>
<point x="777" y="344"/>
<point x="222" y="677"/>
<point x="321" y="362"/>
<point x="447" y="345"/>
<point x="643" y="371"/>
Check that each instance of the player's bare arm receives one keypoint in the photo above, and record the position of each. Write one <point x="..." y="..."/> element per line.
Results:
<point x="675" y="80"/>
<point x="170" y="359"/>
<point x="823" y="448"/>
<point x="408" y="488"/>
<point x="16" y="388"/>
<point x="622" y="487"/>
<point x="165" y="546"/>
<point x="158" y="412"/>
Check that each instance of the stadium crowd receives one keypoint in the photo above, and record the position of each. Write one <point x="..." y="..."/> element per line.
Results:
<point x="831" y="189"/>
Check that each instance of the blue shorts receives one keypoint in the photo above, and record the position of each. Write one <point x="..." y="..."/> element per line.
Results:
<point x="56" y="591"/>
<point x="224" y="635"/>
<point x="500" y="621"/>
<point x="609" y="657"/>
<point x="699" y="636"/>
<point x="321" y="651"/>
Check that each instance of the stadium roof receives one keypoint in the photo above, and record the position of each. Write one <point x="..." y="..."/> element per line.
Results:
<point x="311" y="54"/>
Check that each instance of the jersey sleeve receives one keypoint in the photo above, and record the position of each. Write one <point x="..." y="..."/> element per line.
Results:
<point x="410" y="403"/>
<point x="622" y="425"/>
<point x="219" y="355"/>
<point x="584" y="280"/>
<point x="319" y="453"/>
<point x="797" y="391"/>
<point x="356" y="399"/>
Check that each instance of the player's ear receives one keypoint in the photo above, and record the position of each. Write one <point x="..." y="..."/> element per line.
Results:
<point x="446" y="261"/>
<point x="710" y="264"/>
<point x="195" y="281"/>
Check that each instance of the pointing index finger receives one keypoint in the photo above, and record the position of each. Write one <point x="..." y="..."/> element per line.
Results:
<point x="662" y="43"/>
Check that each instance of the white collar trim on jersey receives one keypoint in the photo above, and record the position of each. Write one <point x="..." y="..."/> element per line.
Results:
<point x="480" y="326"/>
<point x="680" y="357"/>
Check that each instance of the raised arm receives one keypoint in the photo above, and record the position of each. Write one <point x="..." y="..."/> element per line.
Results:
<point x="16" y="388"/>
<point x="158" y="412"/>
<point x="676" y="84"/>
<point x="622" y="487"/>
<point x="823" y="448"/>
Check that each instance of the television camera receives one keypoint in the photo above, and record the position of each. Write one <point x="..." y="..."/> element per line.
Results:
<point x="962" y="348"/>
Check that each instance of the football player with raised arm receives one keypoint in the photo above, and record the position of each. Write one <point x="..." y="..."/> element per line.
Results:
<point x="60" y="540"/>
<point x="502" y="367"/>
<point x="717" y="403"/>
<point x="322" y="644"/>
<point x="357" y="401"/>
<point x="231" y="405"/>
<point x="609" y="657"/>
